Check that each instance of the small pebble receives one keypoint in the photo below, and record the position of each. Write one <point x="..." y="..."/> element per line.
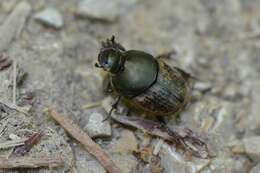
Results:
<point x="173" y="161"/>
<point x="89" y="166"/>
<point x="252" y="146"/>
<point x="248" y="146"/>
<point x="147" y="169"/>
<point x="103" y="9"/>
<point x="127" y="143"/>
<point x="13" y="136"/>
<point x="256" y="169"/>
<point x="126" y="163"/>
<point x="50" y="17"/>
<point x="231" y="92"/>
<point x="97" y="127"/>
<point x="202" y="86"/>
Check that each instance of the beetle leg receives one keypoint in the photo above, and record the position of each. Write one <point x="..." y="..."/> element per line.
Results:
<point x="161" y="119"/>
<point x="108" y="88"/>
<point x="113" y="107"/>
<point x="128" y="112"/>
<point x="166" y="55"/>
<point x="183" y="137"/>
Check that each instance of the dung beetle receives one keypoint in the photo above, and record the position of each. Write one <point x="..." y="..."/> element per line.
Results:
<point x="146" y="82"/>
<point x="151" y="86"/>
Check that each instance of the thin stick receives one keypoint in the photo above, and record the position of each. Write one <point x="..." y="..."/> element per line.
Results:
<point x="92" y="105"/>
<point x="93" y="148"/>
<point x="14" y="83"/>
<point x="204" y="167"/>
<point x="30" y="162"/>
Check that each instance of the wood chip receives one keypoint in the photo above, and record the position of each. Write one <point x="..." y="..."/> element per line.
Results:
<point x="30" y="162"/>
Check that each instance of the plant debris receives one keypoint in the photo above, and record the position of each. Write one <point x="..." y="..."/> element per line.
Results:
<point x="28" y="144"/>
<point x="26" y="98"/>
<point x="21" y="76"/>
<point x="5" y="62"/>
<point x="181" y="136"/>
<point x="30" y="162"/>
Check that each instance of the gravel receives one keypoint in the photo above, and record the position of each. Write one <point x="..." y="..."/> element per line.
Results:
<point x="97" y="127"/>
<point x="50" y="17"/>
<point x="174" y="162"/>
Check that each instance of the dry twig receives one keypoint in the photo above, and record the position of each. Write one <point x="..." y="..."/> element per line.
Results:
<point x="75" y="131"/>
<point x="30" y="162"/>
<point x="92" y="105"/>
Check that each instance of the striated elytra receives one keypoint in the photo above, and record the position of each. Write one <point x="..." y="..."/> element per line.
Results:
<point x="144" y="81"/>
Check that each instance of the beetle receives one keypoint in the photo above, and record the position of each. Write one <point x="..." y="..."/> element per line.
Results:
<point x="144" y="81"/>
<point x="150" y="85"/>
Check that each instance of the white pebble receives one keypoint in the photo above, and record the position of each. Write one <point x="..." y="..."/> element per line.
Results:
<point x="50" y="17"/>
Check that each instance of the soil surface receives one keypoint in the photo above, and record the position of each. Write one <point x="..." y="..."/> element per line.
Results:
<point x="49" y="48"/>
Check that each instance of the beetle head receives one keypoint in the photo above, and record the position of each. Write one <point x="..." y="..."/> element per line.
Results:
<point x="111" y="56"/>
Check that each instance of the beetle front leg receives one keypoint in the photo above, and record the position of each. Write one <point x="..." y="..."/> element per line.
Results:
<point x="107" y="88"/>
<point x="113" y="107"/>
<point x="161" y="119"/>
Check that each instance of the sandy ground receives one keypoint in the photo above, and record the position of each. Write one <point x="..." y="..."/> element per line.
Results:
<point x="216" y="41"/>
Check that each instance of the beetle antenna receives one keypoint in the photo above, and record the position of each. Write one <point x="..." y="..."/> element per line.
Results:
<point x="111" y="43"/>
